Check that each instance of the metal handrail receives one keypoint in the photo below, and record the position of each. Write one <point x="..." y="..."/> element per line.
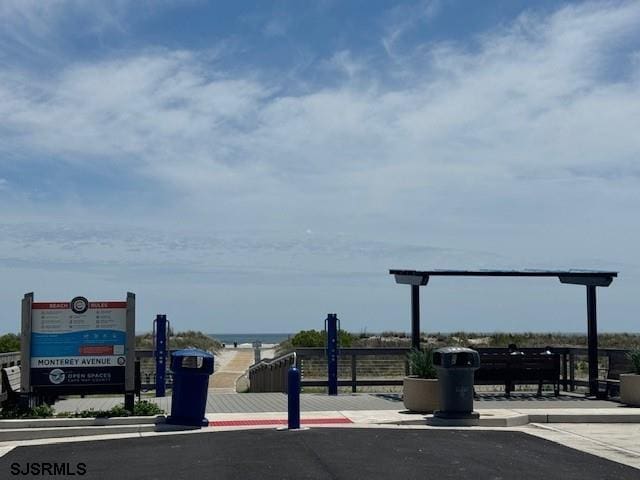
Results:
<point x="271" y="375"/>
<point x="273" y="361"/>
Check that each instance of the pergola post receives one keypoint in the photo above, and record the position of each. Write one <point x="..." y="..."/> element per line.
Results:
<point x="415" y="317"/>
<point x="416" y="281"/>
<point x="592" y="340"/>
<point x="589" y="278"/>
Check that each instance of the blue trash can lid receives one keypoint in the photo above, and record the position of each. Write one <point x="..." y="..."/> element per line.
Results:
<point x="192" y="352"/>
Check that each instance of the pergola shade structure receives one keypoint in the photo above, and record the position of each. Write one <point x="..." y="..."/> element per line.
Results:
<point x="589" y="278"/>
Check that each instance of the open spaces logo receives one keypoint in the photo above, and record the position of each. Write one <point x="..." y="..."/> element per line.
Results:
<point x="56" y="376"/>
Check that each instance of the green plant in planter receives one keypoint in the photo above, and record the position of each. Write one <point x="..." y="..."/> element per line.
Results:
<point x="421" y="363"/>
<point x="634" y="356"/>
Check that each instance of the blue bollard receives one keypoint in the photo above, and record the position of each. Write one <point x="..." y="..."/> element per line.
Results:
<point x="332" y="327"/>
<point x="160" y="343"/>
<point x="293" y="398"/>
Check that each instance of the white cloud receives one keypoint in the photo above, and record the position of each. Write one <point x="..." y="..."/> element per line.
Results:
<point x="533" y="101"/>
<point x="524" y="147"/>
<point x="403" y="18"/>
<point x="277" y="25"/>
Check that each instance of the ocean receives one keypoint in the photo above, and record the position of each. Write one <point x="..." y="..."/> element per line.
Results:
<point x="229" y="338"/>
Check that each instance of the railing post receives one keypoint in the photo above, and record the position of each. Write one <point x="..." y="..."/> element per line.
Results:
<point x="354" y="366"/>
<point x="160" y="347"/>
<point x="331" y="326"/>
<point x="293" y="398"/>
<point x="572" y="372"/>
<point x="564" y="371"/>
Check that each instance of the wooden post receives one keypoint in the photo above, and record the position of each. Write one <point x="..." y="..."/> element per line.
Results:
<point x="353" y="373"/>
<point x="572" y="372"/>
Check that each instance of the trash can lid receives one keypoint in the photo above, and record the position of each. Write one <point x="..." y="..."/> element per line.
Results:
<point x="192" y="352"/>
<point x="456" y="357"/>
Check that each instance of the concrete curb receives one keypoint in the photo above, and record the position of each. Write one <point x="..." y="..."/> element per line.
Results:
<point x="510" y="418"/>
<point x="32" y="429"/>
<point x="40" y="433"/>
<point x="79" y="422"/>
<point x="507" y="421"/>
<point x="584" y="418"/>
<point x="45" y="433"/>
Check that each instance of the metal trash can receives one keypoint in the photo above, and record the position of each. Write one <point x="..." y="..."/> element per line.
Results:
<point x="191" y="369"/>
<point x="455" y="367"/>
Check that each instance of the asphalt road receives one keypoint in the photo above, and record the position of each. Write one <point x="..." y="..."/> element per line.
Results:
<point x="319" y="454"/>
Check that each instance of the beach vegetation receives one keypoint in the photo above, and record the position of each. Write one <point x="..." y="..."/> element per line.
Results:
<point x="634" y="356"/>
<point x="9" y="342"/>
<point x="421" y="363"/>
<point x="315" y="338"/>
<point x="178" y="340"/>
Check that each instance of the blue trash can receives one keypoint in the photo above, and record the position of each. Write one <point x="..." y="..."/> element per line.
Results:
<point x="191" y="369"/>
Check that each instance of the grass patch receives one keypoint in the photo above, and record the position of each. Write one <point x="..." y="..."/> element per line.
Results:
<point x="142" y="408"/>
<point x="15" y="412"/>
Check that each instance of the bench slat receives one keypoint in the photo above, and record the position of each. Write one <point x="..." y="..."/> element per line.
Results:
<point x="508" y="369"/>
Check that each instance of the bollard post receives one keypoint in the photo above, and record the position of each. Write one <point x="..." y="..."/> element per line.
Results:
<point x="293" y="398"/>
<point x="160" y="347"/>
<point x="331" y="325"/>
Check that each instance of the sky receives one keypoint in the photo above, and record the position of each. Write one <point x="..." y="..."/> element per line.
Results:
<point x="252" y="166"/>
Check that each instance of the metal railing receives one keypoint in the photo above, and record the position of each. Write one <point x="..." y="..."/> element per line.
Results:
<point x="270" y="375"/>
<point x="9" y="359"/>
<point x="365" y="367"/>
<point x="348" y="366"/>
<point x="148" y="369"/>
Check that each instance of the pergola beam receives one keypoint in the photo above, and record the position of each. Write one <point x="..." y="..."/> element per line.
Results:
<point x="589" y="278"/>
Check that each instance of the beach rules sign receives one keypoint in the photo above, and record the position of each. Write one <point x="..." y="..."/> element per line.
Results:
<point x="79" y="344"/>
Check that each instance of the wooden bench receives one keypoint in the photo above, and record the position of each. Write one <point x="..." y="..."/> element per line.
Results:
<point x="10" y="384"/>
<point x="619" y="363"/>
<point x="509" y="369"/>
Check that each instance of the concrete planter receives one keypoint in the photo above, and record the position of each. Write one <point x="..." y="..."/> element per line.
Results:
<point x="421" y="394"/>
<point x="630" y="389"/>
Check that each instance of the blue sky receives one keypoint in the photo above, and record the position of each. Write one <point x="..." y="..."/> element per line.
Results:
<point x="252" y="166"/>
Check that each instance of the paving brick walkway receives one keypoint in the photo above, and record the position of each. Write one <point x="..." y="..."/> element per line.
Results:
<point x="247" y="402"/>
<point x="233" y="364"/>
<point x="277" y="402"/>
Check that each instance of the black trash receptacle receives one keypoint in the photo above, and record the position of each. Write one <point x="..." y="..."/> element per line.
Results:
<point x="455" y="367"/>
<point x="191" y="369"/>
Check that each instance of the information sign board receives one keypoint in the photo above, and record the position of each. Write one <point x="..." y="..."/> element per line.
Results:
<point x="78" y="343"/>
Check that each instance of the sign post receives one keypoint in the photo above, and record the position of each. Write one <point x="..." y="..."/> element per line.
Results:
<point x="78" y="347"/>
